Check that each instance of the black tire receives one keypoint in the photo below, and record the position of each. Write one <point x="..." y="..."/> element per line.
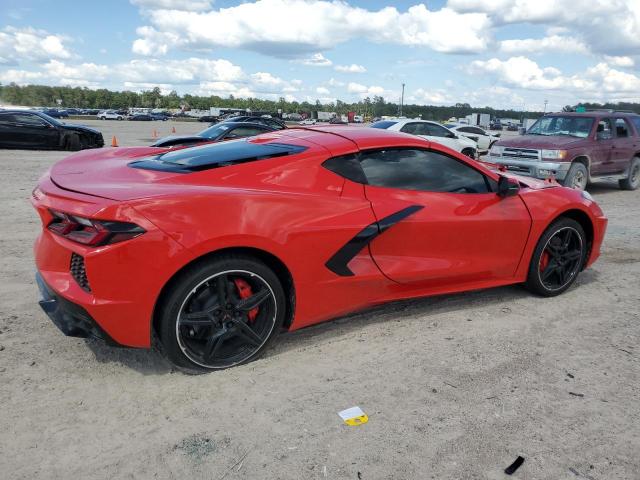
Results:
<point x="469" y="152"/>
<point x="577" y="177"/>
<point x="556" y="261"/>
<point x="199" y="333"/>
<point x="632" y="182"/>
<point x="73" y="142"/>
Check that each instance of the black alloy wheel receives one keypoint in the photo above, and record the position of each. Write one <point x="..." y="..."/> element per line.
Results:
<point x="223" y="315"/>
<point x="558" y="258"/>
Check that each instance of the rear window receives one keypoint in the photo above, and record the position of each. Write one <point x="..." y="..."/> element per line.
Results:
<point x="383" y="124"/>
<point x="216" y="155"/>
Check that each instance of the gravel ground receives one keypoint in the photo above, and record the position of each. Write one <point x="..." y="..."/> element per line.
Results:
<point x="455" y="387"/>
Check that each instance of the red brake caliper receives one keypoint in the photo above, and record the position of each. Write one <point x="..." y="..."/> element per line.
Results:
<point x="244" y="290"/>
<point x="544" y="261"/>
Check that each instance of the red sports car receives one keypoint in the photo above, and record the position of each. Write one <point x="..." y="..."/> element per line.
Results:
<point x="217" y="248"/>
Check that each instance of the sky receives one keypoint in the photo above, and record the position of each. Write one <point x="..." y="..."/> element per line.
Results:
<point x="499" y="53"/>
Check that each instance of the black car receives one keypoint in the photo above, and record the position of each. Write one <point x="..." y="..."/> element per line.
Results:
<point x="208" y="118"/>
<point x="495" y="125"/>
<point x="268" y="121"/>
<point x="215" y="133"/>
<point x="56" y="113"/>
<point x="160" y="116"/>
<point x="141" y="117"/>
<point x="31" y="129"/>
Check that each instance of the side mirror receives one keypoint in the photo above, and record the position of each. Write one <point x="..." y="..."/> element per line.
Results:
<point x="452" y="135"/>
<point x="496" y="134"/>
<point x="507" y="187"/>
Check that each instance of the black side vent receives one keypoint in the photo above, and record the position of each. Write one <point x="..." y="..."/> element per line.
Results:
<point x="78" y="272"/>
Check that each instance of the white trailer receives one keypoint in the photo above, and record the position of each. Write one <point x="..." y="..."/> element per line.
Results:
<point x="479" y="119"/>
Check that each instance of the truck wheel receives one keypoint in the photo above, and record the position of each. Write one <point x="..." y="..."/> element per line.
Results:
<point x="633" y="180"/>
<point x="577" y="177"/>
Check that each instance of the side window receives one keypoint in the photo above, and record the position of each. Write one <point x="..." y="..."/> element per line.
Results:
<point x="604" y="130"/>
<point x="410" y="128"/>
<point x="465" y="130"/>
<point x="636" y="123"/>
<point x="437" y="131"/>
<point x="622" y="130"/>
<point x="6" y="119"/>
<point x="421" y="129"/>
<point x="478" y="131"/>
<point x="27" y="119"/>
<point x="242" y="132"/>
<point x="424" y="170"/>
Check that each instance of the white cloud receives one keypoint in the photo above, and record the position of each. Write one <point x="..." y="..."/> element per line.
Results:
<point x="368" y="91"/>
<point x="274" y="27"/>
<point x="620" y="61"/>
<point x="353" y="68"/>
<point x="317" y="60"/>
<point x="354" y="87"/>
<point x="29" y="44"/>
<point x="430" y="97"/>
<point x="606" y="27"/>
<point x="524" y="73"/>
<point x="186" y="5"/>
<point x="550" y="44"/>
<point x="20" y="77"/>
<point x="600" y="82"/>
<point x="335" y="83"/>
<point x="323" y="91"/>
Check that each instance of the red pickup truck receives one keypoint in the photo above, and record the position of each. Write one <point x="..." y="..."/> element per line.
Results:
<point x="576" y="149"/>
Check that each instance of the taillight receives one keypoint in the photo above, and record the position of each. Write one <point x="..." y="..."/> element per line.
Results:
<point x="92" y="232"/>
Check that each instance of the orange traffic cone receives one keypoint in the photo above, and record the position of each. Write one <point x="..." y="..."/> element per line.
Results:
<point x="173" y="129"/>
<point x="155" y="134"/>
<point x="114" y="141"/>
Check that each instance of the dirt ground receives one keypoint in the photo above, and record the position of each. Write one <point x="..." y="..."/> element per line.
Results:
<point x="455" y="387"/>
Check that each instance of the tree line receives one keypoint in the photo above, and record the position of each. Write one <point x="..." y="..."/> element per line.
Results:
<point x="82" y="97"/>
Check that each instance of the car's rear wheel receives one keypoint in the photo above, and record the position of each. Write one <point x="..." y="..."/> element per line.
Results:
<point x="221" y="313"/>
<point x="632" y="182"/>
<point x="558" y="258"/>
<point x="577" y="177"/>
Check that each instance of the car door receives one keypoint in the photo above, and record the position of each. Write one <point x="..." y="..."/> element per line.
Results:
<point x="443" y="222"/>
<point x="439" y="134"/>
<point x="624" y="146"/>
<point x="482" y="138"/>
<point x="34" y="131"/>
<point x="601" y="155"/>
<point x="7" y="130"/>
<point x="471" y="133"/>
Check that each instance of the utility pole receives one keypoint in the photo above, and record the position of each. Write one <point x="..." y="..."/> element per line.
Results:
<point x="402" y="99"/>
<point x="545" y="106"/>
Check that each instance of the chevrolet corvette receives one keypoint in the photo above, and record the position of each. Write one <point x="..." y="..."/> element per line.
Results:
<point x="215" y="249"/>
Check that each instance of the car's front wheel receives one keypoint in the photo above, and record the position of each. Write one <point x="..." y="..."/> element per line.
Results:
<point x="221" y="313"/>
<point x="558" y="258"/>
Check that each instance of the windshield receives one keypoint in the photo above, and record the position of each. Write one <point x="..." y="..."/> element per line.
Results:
<point x="214" y="131"/>
<point x="383" y="124"/>
<point x="562" y="125"/>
